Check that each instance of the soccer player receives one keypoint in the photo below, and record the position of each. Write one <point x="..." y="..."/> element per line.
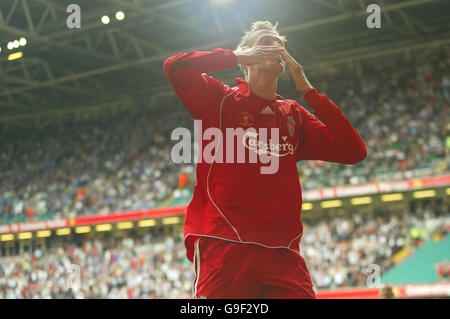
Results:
<point x="243" y="228"/>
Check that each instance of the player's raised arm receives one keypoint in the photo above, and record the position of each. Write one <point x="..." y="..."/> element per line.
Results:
<point x="331" y="138"/>
<point x="198" y="91"/>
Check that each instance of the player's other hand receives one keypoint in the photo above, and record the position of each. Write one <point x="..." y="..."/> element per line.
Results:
<point x="256" y="55"/>
<point x="301" y="82"/>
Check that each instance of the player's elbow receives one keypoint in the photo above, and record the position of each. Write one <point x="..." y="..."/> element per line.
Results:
<point x="362" y="153"/>
<point x="172" y="65"/>
<point x="353" y="156"/>
<point x="177" y="70"/>
<point x="168" y="67"/>
<point x="357" y="157"/>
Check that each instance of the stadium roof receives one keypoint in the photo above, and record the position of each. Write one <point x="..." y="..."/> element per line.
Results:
<point x="66" y="73"/>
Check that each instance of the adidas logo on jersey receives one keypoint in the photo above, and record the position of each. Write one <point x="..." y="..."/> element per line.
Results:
<point x="267" y="110"/>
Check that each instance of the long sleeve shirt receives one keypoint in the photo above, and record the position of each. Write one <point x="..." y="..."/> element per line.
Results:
<point x="234" y="201"/>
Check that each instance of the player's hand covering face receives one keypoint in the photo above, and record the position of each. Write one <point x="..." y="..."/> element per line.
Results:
<point x="301" y="81"/>
<point x="258" y="55"/>
<point x="265" y="47"/>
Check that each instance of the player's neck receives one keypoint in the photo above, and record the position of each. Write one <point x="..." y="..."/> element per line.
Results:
<point x="263" y="84"/>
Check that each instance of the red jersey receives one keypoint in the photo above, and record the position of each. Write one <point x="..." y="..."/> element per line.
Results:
<point x="234" y="201"/>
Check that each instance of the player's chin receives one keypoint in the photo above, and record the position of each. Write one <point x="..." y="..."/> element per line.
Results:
<point x="273" y="67"/>
<point x="280" y="69"/>
<point x="277" y="66"/>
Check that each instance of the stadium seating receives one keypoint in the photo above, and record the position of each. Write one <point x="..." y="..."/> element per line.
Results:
<point x="400" y="108"/>
<point x="337" y="253"/>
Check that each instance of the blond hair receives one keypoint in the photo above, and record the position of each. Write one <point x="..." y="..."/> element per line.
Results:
<point x="245" y="40"/>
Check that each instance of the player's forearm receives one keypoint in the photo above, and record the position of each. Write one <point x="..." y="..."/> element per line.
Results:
<point x="198" y="62"/>
<point x="240" y="59"/>
<point x="305" y="88"/>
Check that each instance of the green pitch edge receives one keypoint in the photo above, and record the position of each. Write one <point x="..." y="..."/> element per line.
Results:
<point x="419" y="268"/>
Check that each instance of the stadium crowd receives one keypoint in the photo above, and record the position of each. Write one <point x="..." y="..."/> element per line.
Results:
<point x="340" y="252"/>
<point x="89" y="168"/>
<point x="147" y="267"/>
<point x="399" y="107"/>
<point x="337" y="252"/>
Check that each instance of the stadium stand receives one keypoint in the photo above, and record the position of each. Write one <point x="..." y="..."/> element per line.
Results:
<point x="154" y="265"/>
<point x="85" y="133"/>
<point x="400" y="108"/>
<point x="147" y="267"/>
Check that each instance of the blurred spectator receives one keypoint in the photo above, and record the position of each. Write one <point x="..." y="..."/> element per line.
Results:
<point x="386" y="292"/>
<point x="443" y="270"/>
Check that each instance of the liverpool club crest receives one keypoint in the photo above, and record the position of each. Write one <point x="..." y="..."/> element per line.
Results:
<point x="246" y="119"/>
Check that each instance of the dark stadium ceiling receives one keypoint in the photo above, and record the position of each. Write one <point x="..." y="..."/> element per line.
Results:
<point x="65" y="72"/>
